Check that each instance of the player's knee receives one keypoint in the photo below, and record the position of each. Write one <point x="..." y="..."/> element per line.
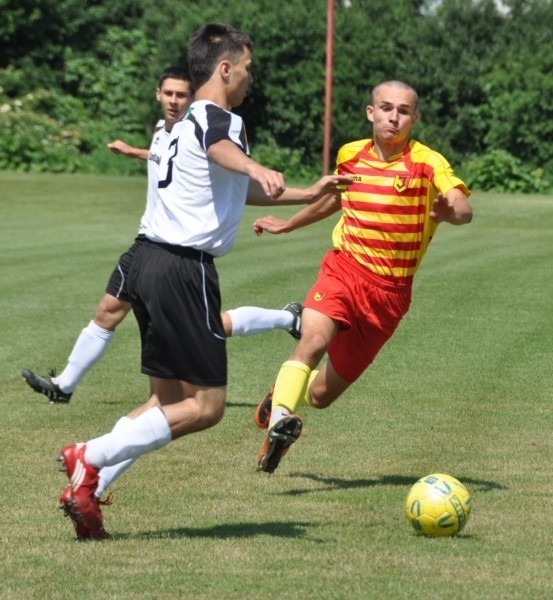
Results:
<point x="209" y="419"/>
<point x="110" y="313"/>
<point x="227" y="324"/>
<point x="323" y="391"/>
<point x="210" y="413"/>
<point x="318" y="396"/>
<point x="310" y="351"/>
<point x="320" y="402"/>
<point x="318" y="343"/>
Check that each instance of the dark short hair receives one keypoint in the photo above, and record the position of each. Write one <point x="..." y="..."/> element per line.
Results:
<point x="211" y="44"/>
<point x="174" y="72"/>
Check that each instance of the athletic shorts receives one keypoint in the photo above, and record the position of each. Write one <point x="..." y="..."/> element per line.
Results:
<point x="174" y="292"/>
<point x="117" y="284"/>
<point x="369" y="310"/>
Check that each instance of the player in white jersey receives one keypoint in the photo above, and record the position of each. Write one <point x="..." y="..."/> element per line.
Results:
<point x="174" y="93"/>
<point x="196" y="215"/>
<point x="173" y="283"/>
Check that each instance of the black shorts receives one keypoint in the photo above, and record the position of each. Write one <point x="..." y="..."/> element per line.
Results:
<point x="174" y="292"/>
<point x="118" y="282"/>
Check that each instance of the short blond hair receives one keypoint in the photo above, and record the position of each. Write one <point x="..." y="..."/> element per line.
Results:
<point x="397" y="83"/>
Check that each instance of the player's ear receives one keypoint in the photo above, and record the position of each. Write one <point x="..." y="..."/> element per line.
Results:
<point x="225" y="67"/>
<point x="158" y="94"/>
<point x="370" y="113"/>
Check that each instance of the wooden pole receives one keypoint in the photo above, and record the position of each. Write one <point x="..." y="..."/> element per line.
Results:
<point x="328" y="84"/>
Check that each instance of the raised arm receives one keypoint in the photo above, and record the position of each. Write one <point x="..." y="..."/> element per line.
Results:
<point x="453" y="207"/>
<point x="227" y="155"/>
<point x="323" y="208"/>
<point x="120" y="147"/>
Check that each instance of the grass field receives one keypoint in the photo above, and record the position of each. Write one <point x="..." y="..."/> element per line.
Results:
<point x="464" y="387"/>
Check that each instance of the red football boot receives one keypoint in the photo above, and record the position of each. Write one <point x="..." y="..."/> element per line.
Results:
<point x="82" y="506"/>
<point x="66" y="504"/>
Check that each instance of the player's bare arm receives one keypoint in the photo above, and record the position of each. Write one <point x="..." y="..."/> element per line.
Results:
<point x="328" y="184"/>
<point x="323" y="208"/>
<point x="453" y="207"/>
<point x="227" y="155"/>
<point x="120" y="147"/>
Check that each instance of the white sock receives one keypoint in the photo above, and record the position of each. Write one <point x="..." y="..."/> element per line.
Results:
<point x="87" y="351"/>
<point x="150" y="431"/>
<point x="249" y="320"/>
<point x="277" y="413"/>
<point x="108" y="475"/>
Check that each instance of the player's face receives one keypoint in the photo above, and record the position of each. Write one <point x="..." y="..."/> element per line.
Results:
<point x="175" y="96"/>
<point x="393" y="114"/>
<point x="240" y="78"/>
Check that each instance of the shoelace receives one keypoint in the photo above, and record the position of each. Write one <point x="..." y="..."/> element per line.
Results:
<point x="108" y="501"/>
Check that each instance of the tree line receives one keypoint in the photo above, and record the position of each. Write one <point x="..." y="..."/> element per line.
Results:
<point x="77" y="73"/>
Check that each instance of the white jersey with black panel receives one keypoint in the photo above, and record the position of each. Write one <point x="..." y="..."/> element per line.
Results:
<point x="200" y="204"/>
<point x="158" y="147"/>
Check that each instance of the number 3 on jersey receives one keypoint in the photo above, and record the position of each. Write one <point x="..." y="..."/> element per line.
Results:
<point x="163" y="183"/>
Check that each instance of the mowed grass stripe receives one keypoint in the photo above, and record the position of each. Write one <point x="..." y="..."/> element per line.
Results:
<point x="463" y="387"/>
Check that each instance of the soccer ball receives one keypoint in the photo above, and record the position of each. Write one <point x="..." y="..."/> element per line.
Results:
<point x="438" y="505"/>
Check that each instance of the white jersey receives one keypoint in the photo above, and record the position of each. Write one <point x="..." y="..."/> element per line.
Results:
<point x="200" y="204"/>
<point x="158" y="148"/>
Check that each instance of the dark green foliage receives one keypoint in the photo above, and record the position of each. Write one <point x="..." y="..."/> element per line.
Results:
<point x="462" y="45"/>
<point x="35" y="34"/>
<point x="109" y="77"/>
<point x="374" y="41"/>
<point x="483" y="75"/>
<point x="519" y="86"/>
<point x="284" y="159"/>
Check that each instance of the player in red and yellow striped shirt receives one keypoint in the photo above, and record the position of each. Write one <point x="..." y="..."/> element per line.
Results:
<point x="402" y="190"/>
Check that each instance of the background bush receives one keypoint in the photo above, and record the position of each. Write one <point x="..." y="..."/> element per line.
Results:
<point x="482" y="69"/>
<point x="32" y="140"/>
<point x="499" y="171"/>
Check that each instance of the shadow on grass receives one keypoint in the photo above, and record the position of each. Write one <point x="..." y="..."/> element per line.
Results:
<point x="226" y="531"/>
<point x="336" y="483"/>
<point x="251" y="405"/>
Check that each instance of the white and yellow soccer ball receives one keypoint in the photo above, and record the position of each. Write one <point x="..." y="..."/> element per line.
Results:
<point x="438" y="505"/>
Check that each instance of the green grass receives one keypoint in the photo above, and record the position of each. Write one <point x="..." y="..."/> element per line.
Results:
<point x="464" y="388"/>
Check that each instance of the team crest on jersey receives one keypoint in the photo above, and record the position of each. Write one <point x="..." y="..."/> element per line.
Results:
<point x="317" y="296"/>
<point x="401" y="183"/>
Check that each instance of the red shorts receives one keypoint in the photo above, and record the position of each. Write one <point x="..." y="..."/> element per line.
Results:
<point x="368" y="308"/>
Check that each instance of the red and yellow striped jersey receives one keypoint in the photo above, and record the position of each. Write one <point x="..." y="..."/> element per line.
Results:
<point x="385" y="223"/>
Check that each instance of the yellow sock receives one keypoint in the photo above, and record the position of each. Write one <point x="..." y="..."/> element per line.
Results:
<point x="307" y="398"/>
<point x="291" y="385"/>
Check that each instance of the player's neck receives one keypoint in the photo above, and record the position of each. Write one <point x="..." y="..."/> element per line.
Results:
<point x="388" y="152"/>
<point x="169" y="125"/>
<point x="213" y="93"/>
